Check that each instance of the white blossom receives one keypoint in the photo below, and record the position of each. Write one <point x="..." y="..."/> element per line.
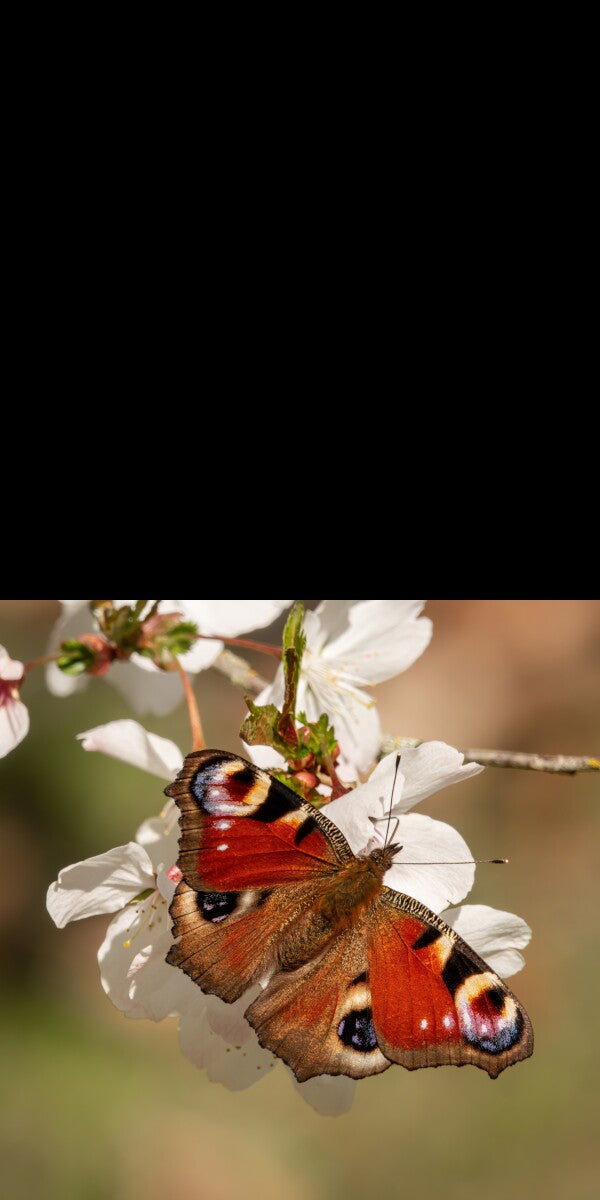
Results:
<point x="349" y="646"/>
<point x="14" y="717"/>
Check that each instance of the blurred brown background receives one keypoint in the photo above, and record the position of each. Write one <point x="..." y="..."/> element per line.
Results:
<point x="96" y="1107"/>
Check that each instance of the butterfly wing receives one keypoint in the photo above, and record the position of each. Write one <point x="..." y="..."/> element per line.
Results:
<point x="318" y="1017"/>
<point x="397" y="986"/>
<point x="434" y="1001"/>
<point x="255" y="858"/>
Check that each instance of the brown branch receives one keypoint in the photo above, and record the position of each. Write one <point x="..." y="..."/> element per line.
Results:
<point x="554" y="764"/>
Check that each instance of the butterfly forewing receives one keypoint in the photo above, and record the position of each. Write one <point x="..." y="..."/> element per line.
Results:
<point x="241" y="829"/>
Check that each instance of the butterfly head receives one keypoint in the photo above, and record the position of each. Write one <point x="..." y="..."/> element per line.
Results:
<point x="384" y="856"/>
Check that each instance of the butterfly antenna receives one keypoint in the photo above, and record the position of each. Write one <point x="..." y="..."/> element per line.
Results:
<point x="387" y="832"/>
<point x="463" y="862"/>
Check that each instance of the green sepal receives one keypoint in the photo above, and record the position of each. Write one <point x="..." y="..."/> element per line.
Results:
<point x="75" y="657"/>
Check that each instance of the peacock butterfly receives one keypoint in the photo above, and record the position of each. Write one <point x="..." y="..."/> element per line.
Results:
<point x="355" y="976"/>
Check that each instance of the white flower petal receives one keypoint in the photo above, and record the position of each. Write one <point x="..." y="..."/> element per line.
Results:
<point x="164" y="883"/>
<point x="74" y="620"/>
<point x="236" y="1066"/>
<point x="329" y="1095"/>
<point x="146" y="688"/>
<point x="423" y="770"/>
<point x="429" y="767"/>
<point x="265" y="757"/>
<point x="99" y="885"/>
<point x="230" y="618"/>
<point x="133" y="969"/>
<point x="327" y="623"/>
<point x="115" y="959"/>
<point x="495" y="935"/>
<point x="424" y="840"/>
<point x="357" y="812"/>
<point x="10" y="668"/>
<point x="156" y="988"/>
<point x="160" y="837"/>
<point x="201" y="656"/>
<point x="131" y="743"/>
<point x="381" y="638"/>
<point x="228" y="1020"/>
<point x="351" y="815"/>
<point x="14" y="725"/>
<point x="353" y="715"/>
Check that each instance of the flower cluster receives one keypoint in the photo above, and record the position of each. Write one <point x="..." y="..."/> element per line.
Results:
<point x="317" y="722"/>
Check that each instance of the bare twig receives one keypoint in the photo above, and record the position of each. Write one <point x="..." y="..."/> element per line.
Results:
<point x="240" y="672"/>
<point x="555" y="764"/>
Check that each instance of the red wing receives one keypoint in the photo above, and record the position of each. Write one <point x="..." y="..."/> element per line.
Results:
<point x="435" y="1001"/>
<point x="242" y="829"/>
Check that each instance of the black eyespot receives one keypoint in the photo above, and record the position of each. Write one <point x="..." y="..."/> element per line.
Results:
<point x="357" y="1031"/>
<point x="214" y="906"/>
<point x="359" y="979"/>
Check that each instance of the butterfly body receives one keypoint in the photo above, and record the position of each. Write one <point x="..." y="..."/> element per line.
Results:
<point x="355" y="976"/>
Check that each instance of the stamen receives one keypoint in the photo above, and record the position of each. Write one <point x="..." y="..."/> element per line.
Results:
<point x="148" y="911"/>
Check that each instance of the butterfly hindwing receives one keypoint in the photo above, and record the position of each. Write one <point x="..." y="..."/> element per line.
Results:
<point x="435" y="1002"/>
<point x="229" y="940"/>
<point x="318" y="1018"/>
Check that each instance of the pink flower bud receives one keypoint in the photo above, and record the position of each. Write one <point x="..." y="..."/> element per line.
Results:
<point x="103" y="652"/>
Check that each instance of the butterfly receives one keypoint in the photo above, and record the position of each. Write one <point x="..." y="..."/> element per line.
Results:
<point x="355" y="976"/>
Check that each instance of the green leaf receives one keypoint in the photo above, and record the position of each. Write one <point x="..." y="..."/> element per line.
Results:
<point x="294" y="637"/>
<point x="261" y="728"/>
<point x="293" y="645"/>
<point x="319" y="736"/>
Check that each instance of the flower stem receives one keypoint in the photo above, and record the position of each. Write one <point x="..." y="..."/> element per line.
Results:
<point x="40" y="662"/>
<point x="247" y="643"/>
<point x="198" y="742"/>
